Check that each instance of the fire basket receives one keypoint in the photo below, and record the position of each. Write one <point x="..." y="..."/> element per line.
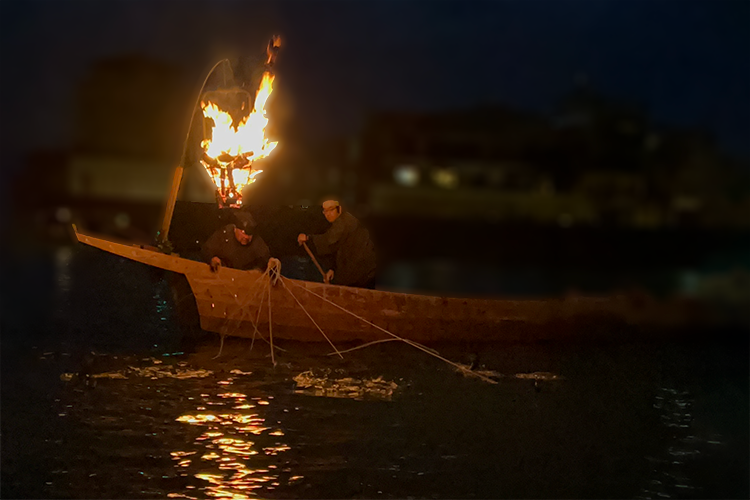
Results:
<point x="234" y="134"/>
<point x="234" y="138"/>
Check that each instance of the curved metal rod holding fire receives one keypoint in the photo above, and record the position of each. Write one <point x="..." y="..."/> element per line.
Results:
<point x="162" y="241"/>
<point x="196" y="105"/>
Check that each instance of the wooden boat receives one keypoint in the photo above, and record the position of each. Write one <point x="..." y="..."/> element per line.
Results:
<point x="229" y="300"/>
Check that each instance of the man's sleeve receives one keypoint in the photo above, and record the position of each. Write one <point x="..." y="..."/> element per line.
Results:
<point x="210" y="247"/>
<point x="264" y="254"/>
<point x="327" y="243"/>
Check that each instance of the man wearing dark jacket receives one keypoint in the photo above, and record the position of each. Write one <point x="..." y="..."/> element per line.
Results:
<point x="349" y="242"/>
<point x="236" y="245"/>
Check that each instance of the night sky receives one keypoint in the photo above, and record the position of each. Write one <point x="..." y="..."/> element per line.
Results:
<point x="688" y="62"/>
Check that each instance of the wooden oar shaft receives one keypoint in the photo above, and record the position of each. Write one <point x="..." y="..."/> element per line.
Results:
<point x="315" y="261"/>
<point x="169" y="210"/>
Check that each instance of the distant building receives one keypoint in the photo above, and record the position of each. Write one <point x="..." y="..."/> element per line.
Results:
<point x="464" y="163"/>
<point x="592" y="132"/>
<point x="128" y="130"/>
<point x="594" y="161"/>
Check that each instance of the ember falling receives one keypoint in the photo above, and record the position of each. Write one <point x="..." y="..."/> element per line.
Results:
<point x="230" y="152"/>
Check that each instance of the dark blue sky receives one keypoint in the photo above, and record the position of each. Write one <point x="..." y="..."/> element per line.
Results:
<point x="687" y="61"/>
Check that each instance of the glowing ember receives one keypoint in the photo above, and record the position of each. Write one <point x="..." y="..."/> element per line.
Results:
<point x="232" y="148"/>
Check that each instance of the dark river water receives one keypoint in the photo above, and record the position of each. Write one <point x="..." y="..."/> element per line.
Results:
<point x="104" y="396"/>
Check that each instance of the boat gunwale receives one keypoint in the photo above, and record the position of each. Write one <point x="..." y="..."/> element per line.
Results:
<point x="88" y="239"/>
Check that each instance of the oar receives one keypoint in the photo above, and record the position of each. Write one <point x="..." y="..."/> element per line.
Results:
<point x="315" y="261"/>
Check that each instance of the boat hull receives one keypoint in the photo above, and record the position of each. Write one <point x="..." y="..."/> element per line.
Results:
<point x="233" y="302"/>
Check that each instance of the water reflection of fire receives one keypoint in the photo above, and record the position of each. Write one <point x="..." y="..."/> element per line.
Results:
<point x="232" y="149"/>
<point x="233" y="465"/>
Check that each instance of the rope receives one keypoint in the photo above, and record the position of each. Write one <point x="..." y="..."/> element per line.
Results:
<point x="245" y="309"/>
<point x="365" y="345"/>
<point x="274" y="269"/>
<point x="433" y="351"/>
<point x="239" y="321"/>
<point x="311" y="319"/>
<point x="411" y="343"/>
<point x="257" y="319"/>
<point x="273" y="272"/>
<point x="270" y="322"/>
<point x="243" y="306"/>
<point x="221" y="347"/>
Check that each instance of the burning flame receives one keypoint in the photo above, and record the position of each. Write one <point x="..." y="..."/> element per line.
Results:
<point x="231" y="151"/>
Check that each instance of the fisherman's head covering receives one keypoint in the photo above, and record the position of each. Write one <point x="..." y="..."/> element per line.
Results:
<point x="330" y="203"/>
<point x="245" y="221"/>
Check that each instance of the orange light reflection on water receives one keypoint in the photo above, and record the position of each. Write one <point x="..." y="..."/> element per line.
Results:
<point x="232" y="465"/>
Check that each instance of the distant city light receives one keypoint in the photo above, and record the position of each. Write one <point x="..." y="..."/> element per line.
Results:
<point x="406" y="175"/>
<point x="445" y="178"/>
<point x="122" y="220"/>
<point x="63" y="215"/>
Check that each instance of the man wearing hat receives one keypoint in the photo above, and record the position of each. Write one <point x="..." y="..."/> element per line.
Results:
<point x="236" y="245"/>
<point x="348" y="241"/>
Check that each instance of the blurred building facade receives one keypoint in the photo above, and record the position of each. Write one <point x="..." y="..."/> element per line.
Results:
<point x="128" y="129"/>
<point x="595" y="161"/>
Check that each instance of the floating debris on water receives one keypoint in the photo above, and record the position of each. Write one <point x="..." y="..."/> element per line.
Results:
<point x="535" y="376"/>
<point x="545" y="376"/>
<point x="240" y="372"/>
<point x="152" y="372"/>
<point x="348" y="387"/>
<point x="170" y="372"/>
<point x="486" y="373"/>
<point x="115" y="375"/>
